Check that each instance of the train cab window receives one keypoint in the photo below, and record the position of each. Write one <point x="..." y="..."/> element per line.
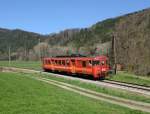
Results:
<point x="103" y="62"/>
<point x="83" y="63"/>
<point x="96" y="62"/>
<point x="89" y="63"/>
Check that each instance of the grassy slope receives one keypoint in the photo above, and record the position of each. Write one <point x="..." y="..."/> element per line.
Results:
<point x="23" y="64"/>
<point x="131" y="78"/>
<point x="110" y="91"/>
<point x="27" y="96"/>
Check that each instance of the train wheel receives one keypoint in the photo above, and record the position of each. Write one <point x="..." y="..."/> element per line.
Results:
<point x="102" y="77"/>
<point x="45" y="70"/>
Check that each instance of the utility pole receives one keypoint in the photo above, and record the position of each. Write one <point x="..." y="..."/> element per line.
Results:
<point x="25" y="53"/>
<point x="9" y="53"/>
<point x="114" y="50"/>
<point x="25" y="50"/>
<point x="39" y="50"/>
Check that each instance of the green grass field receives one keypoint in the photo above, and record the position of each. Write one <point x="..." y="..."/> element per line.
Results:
<point x="36" y="65"/>
<point x="109" y="91"/>
<point x="24" y="95"/>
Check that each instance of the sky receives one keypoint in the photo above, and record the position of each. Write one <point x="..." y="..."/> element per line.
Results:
<point x="52" y="16"/>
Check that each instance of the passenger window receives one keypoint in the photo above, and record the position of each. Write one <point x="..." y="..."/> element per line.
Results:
<point x="68" y="63"/>
<point x="55" y="61"/>
<point x="49" y="62"/>
<point x="59" y="62"/>
<point x="73" y="62"/>
<point x="63" y="62"/>
<point x="83" y="63"/>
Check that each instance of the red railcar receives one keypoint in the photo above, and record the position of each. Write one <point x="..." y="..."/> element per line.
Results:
<point x="97" y="67"/>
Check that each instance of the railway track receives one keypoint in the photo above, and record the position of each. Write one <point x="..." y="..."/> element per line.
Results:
<point x="105" y="83"/>
<point x="128" y="85"/>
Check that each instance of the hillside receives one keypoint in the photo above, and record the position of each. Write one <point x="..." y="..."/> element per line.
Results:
<point x="18" y="40"/>
<point x="85" y="41"/>
<point x="131" y="32"/>
<point x="133" y="42"/>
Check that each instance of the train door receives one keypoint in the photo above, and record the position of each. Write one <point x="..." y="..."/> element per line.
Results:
<point x="72" y="65"/>
<point x="89" y="67"/>
<point x="96" y="68"/>
<point x="68" y="68"/>
<point x="84" y="67"/>
<point x="52" y="65"/>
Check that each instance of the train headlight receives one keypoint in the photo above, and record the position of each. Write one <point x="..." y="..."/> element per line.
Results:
<point x="103" y="69"/>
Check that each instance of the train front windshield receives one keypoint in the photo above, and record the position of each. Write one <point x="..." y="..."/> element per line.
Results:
<point x="95" y="63"/>
<point x="98" y="62"/>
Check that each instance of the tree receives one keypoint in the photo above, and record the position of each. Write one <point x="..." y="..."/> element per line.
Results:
<point x="41" y="50"/>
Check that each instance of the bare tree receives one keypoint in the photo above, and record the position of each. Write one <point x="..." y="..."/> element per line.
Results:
<point x="42" y="50"/>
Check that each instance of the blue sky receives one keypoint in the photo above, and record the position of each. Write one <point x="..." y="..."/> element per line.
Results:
<point x="47" y="16"/>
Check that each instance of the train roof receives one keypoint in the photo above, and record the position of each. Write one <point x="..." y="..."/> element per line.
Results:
<point x="78" y="58"/>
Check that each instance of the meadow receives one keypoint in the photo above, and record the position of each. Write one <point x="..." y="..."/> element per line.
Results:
<point x="36" y="65"/>
<point x="20" y="94"/>
<point x="123" y="76"/>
